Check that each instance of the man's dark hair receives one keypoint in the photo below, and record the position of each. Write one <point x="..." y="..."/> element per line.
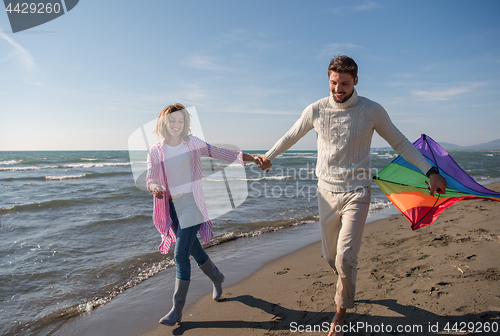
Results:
<point x="343" y="63"/>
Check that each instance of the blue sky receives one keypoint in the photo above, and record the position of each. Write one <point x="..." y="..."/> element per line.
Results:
<point x="87" y="80"/>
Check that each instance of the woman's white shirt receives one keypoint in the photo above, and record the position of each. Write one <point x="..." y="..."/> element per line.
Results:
<point x="178" y="167"/>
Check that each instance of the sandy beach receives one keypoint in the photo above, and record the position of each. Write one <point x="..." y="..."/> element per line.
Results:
<point x="440" y="279"/>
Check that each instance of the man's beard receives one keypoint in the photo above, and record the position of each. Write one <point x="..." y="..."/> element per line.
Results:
<point x="343" y="100"/>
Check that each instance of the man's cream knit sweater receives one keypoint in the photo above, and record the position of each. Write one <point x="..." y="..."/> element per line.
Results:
<point x="344" y="135"/>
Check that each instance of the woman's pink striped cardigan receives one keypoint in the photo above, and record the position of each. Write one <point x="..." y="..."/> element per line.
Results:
<point x="156" y="174"/>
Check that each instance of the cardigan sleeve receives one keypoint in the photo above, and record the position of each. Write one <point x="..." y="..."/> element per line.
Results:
<point x="153" y="165"/>
<point x="387" y="130"/>
<point x="222" y="153"/>
<point x="298" y="130"/>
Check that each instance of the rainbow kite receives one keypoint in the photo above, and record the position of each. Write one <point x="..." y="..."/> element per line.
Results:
<point x="405" y="185"/>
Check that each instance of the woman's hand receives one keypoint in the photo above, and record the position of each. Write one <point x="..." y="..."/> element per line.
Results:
<point x="256" y="160"/>
<point x="157" y="190"/>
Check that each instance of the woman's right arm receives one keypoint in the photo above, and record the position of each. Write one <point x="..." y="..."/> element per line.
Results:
<point x="152" y="178"/>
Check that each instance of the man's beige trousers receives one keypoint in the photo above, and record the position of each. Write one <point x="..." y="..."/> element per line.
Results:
<point x="343" y="217"/>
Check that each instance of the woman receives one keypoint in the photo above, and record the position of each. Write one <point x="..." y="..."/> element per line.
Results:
<point x="174" y="178"/>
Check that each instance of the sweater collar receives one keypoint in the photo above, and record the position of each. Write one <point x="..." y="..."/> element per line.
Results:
<point x="342" y="106"/>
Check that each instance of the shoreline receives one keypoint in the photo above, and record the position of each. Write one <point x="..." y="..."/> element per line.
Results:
<point x="298" y="285"/>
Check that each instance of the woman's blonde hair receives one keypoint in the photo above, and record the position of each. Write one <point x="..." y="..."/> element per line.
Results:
<point x="163" y="122"/>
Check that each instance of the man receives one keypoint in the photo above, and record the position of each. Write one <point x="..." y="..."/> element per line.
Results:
<point x="344" y="123"/>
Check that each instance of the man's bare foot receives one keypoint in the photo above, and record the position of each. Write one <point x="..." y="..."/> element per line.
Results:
<point x="338" y="321"/>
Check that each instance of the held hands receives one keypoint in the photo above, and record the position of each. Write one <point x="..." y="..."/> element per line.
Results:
<point x="251" y="158"/>
<point x="264" y="163"/>
<point x="261" y="161"/>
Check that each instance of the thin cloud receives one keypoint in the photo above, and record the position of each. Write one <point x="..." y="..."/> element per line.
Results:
<point x="234" y="35"/>
<point x="24" y="55"/>
<point x="367" y="6"/>
<point x="203" y="63"/>
<point x="446" y="94"/>
<point x="255" y="41"/>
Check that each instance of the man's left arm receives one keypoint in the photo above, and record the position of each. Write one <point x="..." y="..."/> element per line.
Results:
<point x="387" y="130"/>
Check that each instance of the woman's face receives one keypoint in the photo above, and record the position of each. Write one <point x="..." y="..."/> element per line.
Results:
<point x="175" y="124"/>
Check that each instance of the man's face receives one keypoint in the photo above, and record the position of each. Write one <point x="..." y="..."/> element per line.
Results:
<point x="342" y="86"/>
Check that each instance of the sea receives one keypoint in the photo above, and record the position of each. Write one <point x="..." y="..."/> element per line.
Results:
<point x="76" y="227"/>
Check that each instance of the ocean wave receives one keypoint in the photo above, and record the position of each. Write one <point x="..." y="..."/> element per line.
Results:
<point x="386" y="156"/>
<point x="26" y="168"/>
<point x="298" y="154"/>
<point x="37" y="206"/>
<point x="297" y="157"/>
<point x="61" y="203"/>
<point x="374" y="206"/>
<point x="64" y="177"/>
<point x="277" y="177"/>
<point x="94" y="165"/>
<point x="120" y="221"/>
<point x="226" y="164"/>
<point x="31" y="162"/>
<point x="89" y="159"/>
<point x="9" y="162"/>
<point x="67" y="165"/>
<point x="7" y="208"/>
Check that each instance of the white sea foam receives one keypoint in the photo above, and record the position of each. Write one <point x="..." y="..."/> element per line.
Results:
<point x="64" y="177"/>
<point x="304" y="154"/>
<point x="10" y="162"/>
<point x="277" y="177"/>
<point x="232" y="164"/>
<point x="386" y="156"/>
<point x="94" y="165"/>
<point x="26" y="168"/>
<point x="379" y="205"/>
<point x="68" y="165"/>
<point x="298" y="157"/>
<point x="88" y="159"/>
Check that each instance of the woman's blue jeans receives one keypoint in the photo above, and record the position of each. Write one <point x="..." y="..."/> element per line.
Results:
<point x="184" y="212"/>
